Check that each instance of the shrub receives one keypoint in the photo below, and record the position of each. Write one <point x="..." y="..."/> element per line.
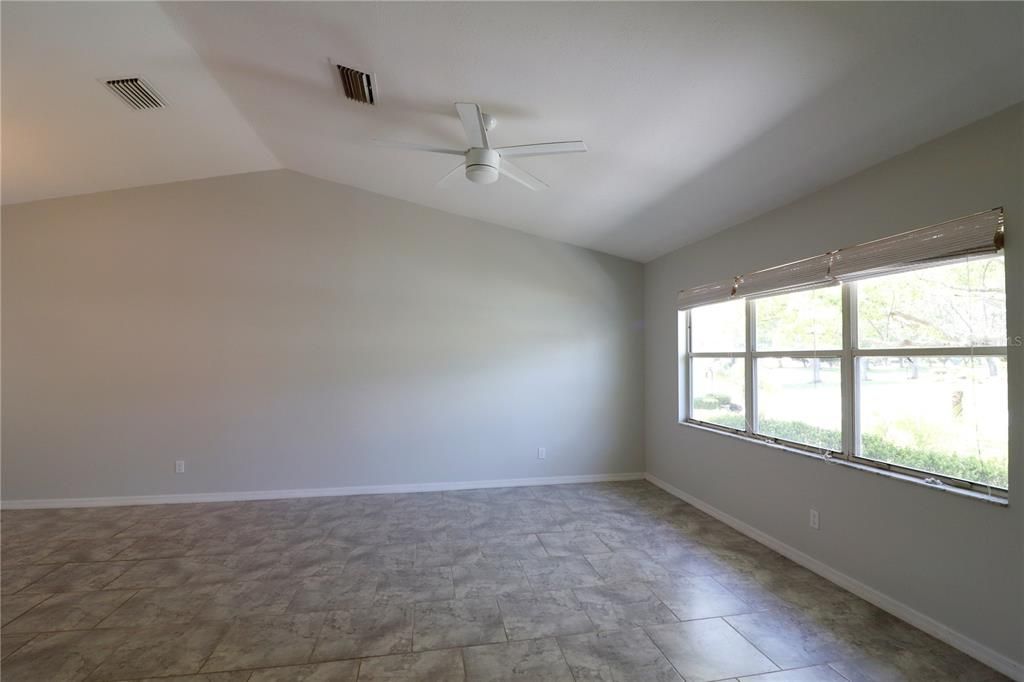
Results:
<point x="712" y="401"/>
<point x="970" y="468"/>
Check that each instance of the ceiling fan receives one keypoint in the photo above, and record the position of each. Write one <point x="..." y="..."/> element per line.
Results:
<point x="484" y="163"/>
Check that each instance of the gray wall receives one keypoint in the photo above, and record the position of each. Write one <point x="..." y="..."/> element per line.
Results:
<point x="957" y="560"/>
<point x="277" y="331"/>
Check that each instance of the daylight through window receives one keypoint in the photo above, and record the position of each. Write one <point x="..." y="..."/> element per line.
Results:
<point x="905" y="370"/>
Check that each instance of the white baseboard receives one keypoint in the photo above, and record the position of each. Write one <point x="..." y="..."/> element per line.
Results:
<point x="989" y="657"/>
<point x="131" y="500"/>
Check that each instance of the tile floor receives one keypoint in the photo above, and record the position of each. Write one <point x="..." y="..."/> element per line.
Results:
<point x="611" y="581"/>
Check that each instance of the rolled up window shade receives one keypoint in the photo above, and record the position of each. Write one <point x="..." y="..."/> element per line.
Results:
<point x="715" y="292"/>
<point x="802" y="274"/>
<point x="978" y="234"/>
<point x="974" y="235"/>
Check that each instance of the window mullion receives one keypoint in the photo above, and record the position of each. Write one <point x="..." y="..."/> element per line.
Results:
<point x="751" y="371"/>
<point x="848" y="370"/>
<point x="688" y="378"/>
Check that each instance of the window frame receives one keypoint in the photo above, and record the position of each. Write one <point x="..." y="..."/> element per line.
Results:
<point x="849" y="356"/>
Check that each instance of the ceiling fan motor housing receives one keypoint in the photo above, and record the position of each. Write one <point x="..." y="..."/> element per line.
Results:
<point x="482" y="165"/>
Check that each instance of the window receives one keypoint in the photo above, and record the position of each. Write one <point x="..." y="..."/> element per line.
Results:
<point x="931" y="379"/>
<point x="799" y="340"/>
<point x="718" y="334"/>
<point x="904" y="369"/>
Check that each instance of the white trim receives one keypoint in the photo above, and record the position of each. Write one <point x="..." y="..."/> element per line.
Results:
<point x="989" y="657"/>
<point x="127" y="500"/>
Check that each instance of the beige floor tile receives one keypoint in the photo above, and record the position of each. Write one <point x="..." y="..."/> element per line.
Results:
<point x="89" y="550"/>
<point x="155" y="548"/>
<point x="266" y="641"/>
<point x="698" y="597"/>
<point x="622" y="606"/>
<point x="309" y="562"/>
<point x="708" y="650"/>
<point x="623" y="656"/>
<point x="371" y="631"/>
<point x="447" y="553"/>
<point x="910" y="666"/>
<point x="560" y="573"/>
<point x="332" y="592"/>
<point x="17" y="578"/>
<point x="34" y="548"/>
<point x="489" y="578"/>
<point x="538" y="660"/>
<point x="11" y="643"/>
<point x="165" y="650"/>
<point x="572" y="544"/>
<point x="69" y="611"/>
<point x="791" y="641"/>
<point x="416" y="584"/>
<point x="80" y="577"/>
<point x="543" y="614"/>
<point x="61" y="657"/>
<point x="232" y="676"/>
<point x="627" y="565"/>
<point x="758" y="596"/>
<point x="156" y="573"/>
<point x="231" y="601"/>
<point x="378" y="558"/>
<point x="13" y="605"/>
<point x="460" y="622"/>
<point x="161" y="606"/>
<point x="513" y="547"/>
<point x="446" y="665"/>
<point x="335" y="671"/>
<point x="818" y="673"/>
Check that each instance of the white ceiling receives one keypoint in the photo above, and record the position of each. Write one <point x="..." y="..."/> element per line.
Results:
<point x="697" y="115"/>
<point x="65" y="133"/>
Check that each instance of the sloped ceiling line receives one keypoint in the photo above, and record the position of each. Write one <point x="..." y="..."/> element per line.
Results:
<point x="697" y="115"/>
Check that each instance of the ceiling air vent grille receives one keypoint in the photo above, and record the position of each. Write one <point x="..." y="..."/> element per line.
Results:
<point x="136" y="93"/>
<point x="358" y="86"/>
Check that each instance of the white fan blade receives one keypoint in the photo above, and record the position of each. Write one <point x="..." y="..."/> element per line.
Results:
<point x="543" y="149"/>
<point x="449" y="174"/>
<point x="420" y="147"/>
<point x="473" y="123"/>
<point x="514" y="172"/>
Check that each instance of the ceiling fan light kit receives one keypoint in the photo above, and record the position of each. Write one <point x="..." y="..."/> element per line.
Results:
<point x="485" y="164"/>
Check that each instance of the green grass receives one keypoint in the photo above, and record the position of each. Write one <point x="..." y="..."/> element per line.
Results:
<point x="969" y="468"/>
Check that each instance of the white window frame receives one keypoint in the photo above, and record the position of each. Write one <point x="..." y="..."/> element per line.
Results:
<point x="848" y="355"/>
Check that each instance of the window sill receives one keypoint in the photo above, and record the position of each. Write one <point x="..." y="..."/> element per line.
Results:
<point x="913" y="480"/>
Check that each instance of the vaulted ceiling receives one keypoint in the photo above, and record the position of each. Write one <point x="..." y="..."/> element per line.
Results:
<point x="697" y="115"/>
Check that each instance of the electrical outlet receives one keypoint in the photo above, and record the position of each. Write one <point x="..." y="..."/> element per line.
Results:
<point x="814" y="519"/>
<point x="542" y="453"/>
<point x="179" y="466"/>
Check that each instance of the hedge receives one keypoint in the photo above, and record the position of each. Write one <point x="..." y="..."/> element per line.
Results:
<point x="970" y="468"/>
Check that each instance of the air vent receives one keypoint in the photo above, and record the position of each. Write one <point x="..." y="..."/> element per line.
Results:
<point x="136" y="93"/>
<point x="358" y="86"/>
